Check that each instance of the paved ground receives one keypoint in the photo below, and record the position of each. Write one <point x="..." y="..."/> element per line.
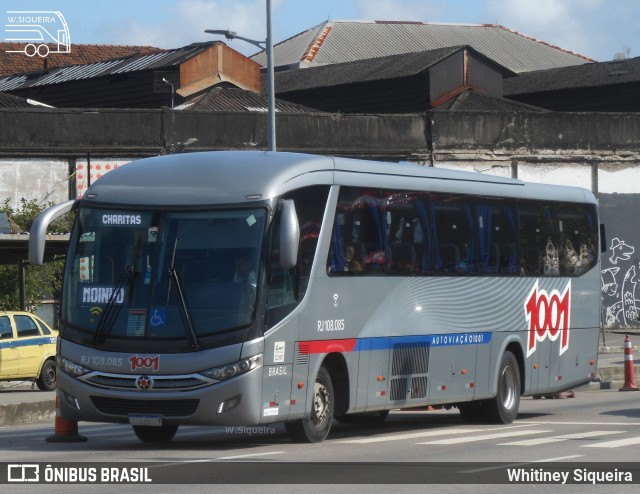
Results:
<point x="22" y="402"/>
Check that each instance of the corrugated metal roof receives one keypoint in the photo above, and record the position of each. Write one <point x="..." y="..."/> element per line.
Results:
<point x="348" y="41"/>
<point x="11" y="101"/>
<point x="19" y="63"/>
<point x="123" y="65"/>
<point x="374" y="69"/>
<point x="237" y="100"/>
<point x="588" y="75"/>
<point x="471" y="100"/>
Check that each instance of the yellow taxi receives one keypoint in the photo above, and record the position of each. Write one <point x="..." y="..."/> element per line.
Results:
<point x="27" y="349"/>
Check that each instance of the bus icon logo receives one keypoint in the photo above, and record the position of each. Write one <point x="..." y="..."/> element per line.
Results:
<point x="22" y="472"/>
<point x="41" y="31"/>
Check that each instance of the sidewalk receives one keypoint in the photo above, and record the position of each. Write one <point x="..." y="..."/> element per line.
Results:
<point x="23" y="403"/>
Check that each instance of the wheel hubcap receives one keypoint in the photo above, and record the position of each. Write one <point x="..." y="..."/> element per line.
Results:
<point x="508" y="388"/>
<point x="320" y="404"/>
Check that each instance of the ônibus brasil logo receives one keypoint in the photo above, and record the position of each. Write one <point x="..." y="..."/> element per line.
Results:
<point x="548" y="316"/>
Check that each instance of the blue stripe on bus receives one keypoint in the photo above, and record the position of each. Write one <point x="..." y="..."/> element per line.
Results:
<point x="27" y="342"/>
<point x="433" y="340"/>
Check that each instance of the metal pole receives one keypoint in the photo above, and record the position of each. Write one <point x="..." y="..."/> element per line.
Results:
<point x="270" y="85"/>
<point x="22" y="281"/>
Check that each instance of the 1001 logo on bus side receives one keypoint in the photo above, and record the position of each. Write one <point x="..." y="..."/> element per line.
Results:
<point x="548" y="316"/>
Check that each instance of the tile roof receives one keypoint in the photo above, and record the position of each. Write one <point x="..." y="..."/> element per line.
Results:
<point x="337" y="41"/>
<point x="19" y="63"/>
<point x="237" y="100"/>
<point x="585" y="76"/>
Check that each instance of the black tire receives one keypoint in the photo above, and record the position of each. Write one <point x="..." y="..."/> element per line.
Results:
<point x="503" y="409"/>
<point x="47" y="379"/>
<point x="315" y="428"/>
<point x="151" y="434"/>
<point x="364" y="418"/>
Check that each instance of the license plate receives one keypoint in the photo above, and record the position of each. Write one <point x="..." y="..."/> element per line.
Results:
<point x="149" y="420"/>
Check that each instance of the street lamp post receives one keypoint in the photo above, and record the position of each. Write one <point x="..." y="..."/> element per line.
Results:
<point x="266" y="45"/>
<point x="172" y="91"/>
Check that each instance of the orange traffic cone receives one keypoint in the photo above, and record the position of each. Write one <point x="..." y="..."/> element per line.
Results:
<point x="66" y="431"/>
<point x="629" y="370"/>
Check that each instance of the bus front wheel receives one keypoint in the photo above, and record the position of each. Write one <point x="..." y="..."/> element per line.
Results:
<point x="315" y="428"/>
<point x="504" y="408"/>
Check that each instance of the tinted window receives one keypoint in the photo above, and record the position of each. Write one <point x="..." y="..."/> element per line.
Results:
<point x="578" y="229"/>
<point x="5" y="328"/>
<point x="357" y="245"/>
<point x="497" y="236"/>
<point x="26" y="326"/>
<point x="538" y="239"/>
<point x="454" y="234"/>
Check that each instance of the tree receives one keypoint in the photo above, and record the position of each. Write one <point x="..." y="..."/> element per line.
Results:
<point x="41" y="282"/>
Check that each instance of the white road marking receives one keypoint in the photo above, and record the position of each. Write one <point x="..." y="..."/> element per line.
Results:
<point x="614" y="444"/>
<point x="484" y="437"/>
<point x="557" y="439"/>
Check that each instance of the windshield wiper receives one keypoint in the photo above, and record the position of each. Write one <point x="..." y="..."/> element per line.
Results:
<point x="184" y="306"/>
<point x="109" y="315"/>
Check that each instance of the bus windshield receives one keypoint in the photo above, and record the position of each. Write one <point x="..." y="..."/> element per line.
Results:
<point x="159" y="275"/>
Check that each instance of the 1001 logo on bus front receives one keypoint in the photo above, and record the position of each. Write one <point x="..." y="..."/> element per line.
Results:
<point x="548" y="317"/>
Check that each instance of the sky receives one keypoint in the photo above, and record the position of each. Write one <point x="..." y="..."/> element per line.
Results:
<point x="598" y="29"/>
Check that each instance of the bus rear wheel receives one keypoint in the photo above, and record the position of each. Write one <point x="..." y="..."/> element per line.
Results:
<point x="503" y="409"/>
<point x="315" y="428"/>
<point x="151" y="434"/>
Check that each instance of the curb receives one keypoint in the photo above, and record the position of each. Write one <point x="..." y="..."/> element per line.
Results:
<point x="27" y="413"/>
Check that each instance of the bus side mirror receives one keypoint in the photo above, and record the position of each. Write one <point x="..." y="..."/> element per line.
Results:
<point x="289" y="234"/>
<point x="38" y="233"/>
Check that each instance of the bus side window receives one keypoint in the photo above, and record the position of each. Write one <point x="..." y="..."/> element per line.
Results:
<point x="357" y="245"/>
<point x="454" y="234"/>
<point x="497" y="236"/>
<point x="578" y="229"/>
<point x="538" y="239"/>
<point x="407" y="233"/>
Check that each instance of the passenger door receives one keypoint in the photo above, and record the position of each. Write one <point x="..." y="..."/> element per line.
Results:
<point x="8" y="349"/>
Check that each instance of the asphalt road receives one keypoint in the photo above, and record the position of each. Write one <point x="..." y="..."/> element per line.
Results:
<point x="601" y="426"/>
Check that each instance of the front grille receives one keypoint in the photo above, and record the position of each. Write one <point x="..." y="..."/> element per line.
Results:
<point x="167" y="408"/>
<point x="160" y="383"/>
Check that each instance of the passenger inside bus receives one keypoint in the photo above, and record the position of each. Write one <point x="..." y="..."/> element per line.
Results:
<point x="351" y="262"/>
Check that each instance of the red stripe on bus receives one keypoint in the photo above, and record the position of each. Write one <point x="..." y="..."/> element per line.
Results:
<point x="326" y="346"/>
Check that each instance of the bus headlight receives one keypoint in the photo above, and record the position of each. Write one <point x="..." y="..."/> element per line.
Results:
<point x="234" y="369"/>
<point x="71" y="368"/>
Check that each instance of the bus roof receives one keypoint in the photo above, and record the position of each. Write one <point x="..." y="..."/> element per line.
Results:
<point x="227" y="177"/>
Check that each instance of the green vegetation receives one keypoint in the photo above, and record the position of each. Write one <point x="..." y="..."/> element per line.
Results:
<point x="42" y="282"/>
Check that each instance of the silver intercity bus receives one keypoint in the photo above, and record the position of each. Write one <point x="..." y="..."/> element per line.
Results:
<point x="245" y="288"/>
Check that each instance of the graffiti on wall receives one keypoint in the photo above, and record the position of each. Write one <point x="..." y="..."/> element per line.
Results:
<point x="619" y="283"/>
